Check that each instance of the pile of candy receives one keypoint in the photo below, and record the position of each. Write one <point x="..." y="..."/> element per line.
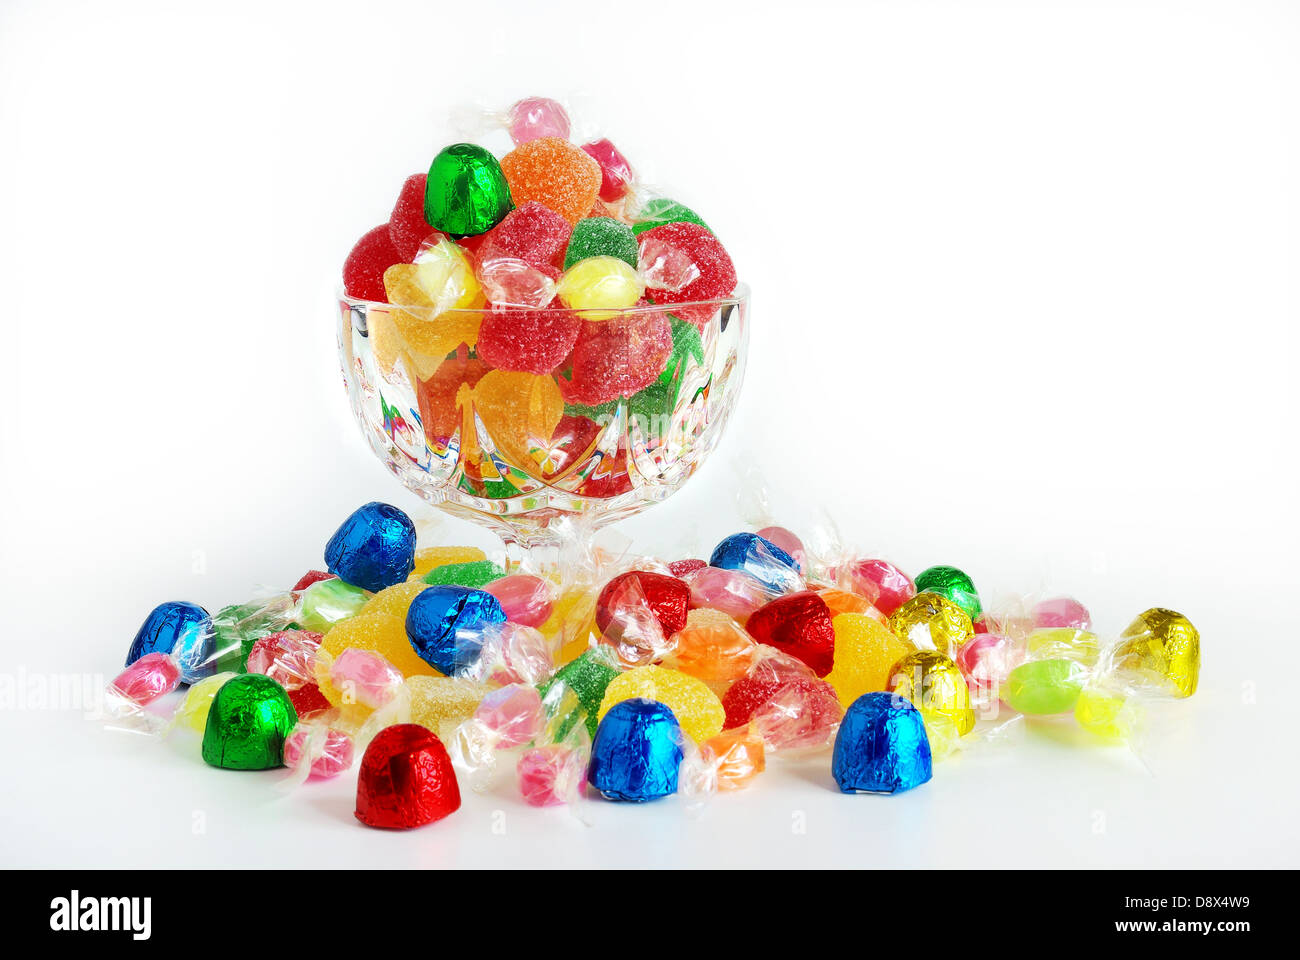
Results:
<point x="637" y="677"/>
<point x="538" y="291"/>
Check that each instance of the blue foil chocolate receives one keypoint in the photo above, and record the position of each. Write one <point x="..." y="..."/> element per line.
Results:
<point x="374" y="548"/>
<point x="881" y="746"/>
<point x="636" y="753"/>
<point x="761" y="559"/>
<point x="167" y="625"/>
<point x="445" y="625"/>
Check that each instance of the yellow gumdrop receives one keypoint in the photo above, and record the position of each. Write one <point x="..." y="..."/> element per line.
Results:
<point x="572" y="623"/>
<point x="697" y="708"/>
<point x="440" y="280"/>
<point x="381" y="633"/>
<point x="603" y="285"/>
<point x="865" y="652"/>
<point x="395" y="600"/>
<point x="385" y="339"/>
<point x="193" y="711"/>
<point x="520" y="412"/>
<point x="931" y="621"/>
<point x="441" y="703"/>
<point x="431" y="557"/>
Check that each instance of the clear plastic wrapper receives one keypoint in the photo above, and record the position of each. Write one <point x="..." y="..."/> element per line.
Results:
<point x="508" y="717"/>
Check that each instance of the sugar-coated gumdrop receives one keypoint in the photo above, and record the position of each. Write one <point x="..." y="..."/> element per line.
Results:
<point x="474" y="573"/>
<point x="548" y="775"/>
<point x="1162" y="642"/>
<point x="712" y="647"/>
<point x="661" y="211"/>
<point x="865" y="653"/>
<point x="738" y="756"/>
<point x="732" y="592"/>
<point x="440" y="703"/>
<point x="798" y="624"/>
<point x="761" y="559"/>
<point x="193" y="711"/>
<point x="286" y="656"/>
<point x="394" y="600"/>
<point x="309" y="701"/>
<point x="601" y="237"/>
<point x="380" y="633"/>
<point x="717" y="273"/>
<point x="881" y="746"/>
<point x="882" y="583"/>
<point x="406" y="779"/>
<point x="588" y="676"/>
<point x="616" y="358"/>
<point x="247" y="724"/>
<point x="636" y="752"/>
<point x="600" y="286"/>
<point x="534" y="117"/>
<point x="937" y="688"/>
<point x="932" y="621"/>
<point x="1044" y="686"/>
<point x="373" y="548"/>
<point x="328" y="751"/>
<point x="1062" y="612"/>
<point x="524" y="598"/>
<point x="443" y="621"/>
<point x="444" y="395"/>
<point x="329" y="601"/>
<point x="520" y="412"/>
<point x="953" y="584"/>
<point x="429" y="557"/>
<point x="363" y="270"/>
<point x="148" y="678"/>
<point x="615" y="171"/>
<point x="554" y="173"/>
<point x="528" y="341"/>
<point x="697" y="708"/>
<point x="166" y="628"/>
<point x="407" y="227"/>
<point x="533" y="233"/>
<point x="466" y="191"/>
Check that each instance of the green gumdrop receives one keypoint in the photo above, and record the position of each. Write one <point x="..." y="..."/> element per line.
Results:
<point x="248" y="722"/>
<point x="1044" y="686"/>
<point x="466" y="192"/>
<point x="601" y="237"/>
<point x="475" y="573"/>
<point x="587" y="676"/>
<point x="658" y="212"/>
<point x="326" y="602"/>
<point x="953" y="584"/>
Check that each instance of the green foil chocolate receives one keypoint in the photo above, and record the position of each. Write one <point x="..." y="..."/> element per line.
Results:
<point x="951" y="583"/>
<point x="248" y="722"/>
<point x="466" y="192"/>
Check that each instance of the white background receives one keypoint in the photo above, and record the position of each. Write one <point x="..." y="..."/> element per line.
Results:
<point x="1024" y="302"/>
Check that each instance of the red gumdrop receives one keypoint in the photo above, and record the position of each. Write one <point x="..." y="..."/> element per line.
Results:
<point x="310" y="577"/>
<point x="308" y="701"/>
<point x="717" y="273"/>
<point x="798" y="624"/>
<point x="617" y="357"/>
<point x="667" y="597"/>
<point x="527" y="341"/>
<point x="615" y="171"/>
<point x="407" y="226"/>
<point x="751" y="693"/>
<point x="439" y="411"/>
<point x="680" y="568"/>
<point x="363" y="270"/>
<point x="406" y="779"/>
<point x="532" y="233"/>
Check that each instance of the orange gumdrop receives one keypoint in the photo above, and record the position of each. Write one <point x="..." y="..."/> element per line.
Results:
<point x="841" y="601"/>
<point x="712" y="647"/>
<point x="442" y="396"/>
<point x="738" y="754"/>
<point x="520" y="412"/>
<point x="554" y="173"/>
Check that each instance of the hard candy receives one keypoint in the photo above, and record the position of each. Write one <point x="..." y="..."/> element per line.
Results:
<point x="549" y="775"/>
<point x="782" y="698"/>
<point x="615" y="171"/>
<point x="167" y="625"/>
<point x="712" y="647"/>
<point x="406" y="779"/>
<point x="328" y="752"/>
<point x="761" y="559"/>
<point x="554" y="173"/>
<point x="466" y="191"/>
<point x="286" y="656"/>
<point x="627" y="599"/>
<point x="696" y="708"/>
<point x="931" y="621"/>
<point x="937" y="688"/>
<point x="798" y="624"/>
<point x="736" y="757"/>
<point x="513" y="714"/>
<point x="865" y="653"/>
<point x="882" y="583"/>
<point x="193" y="711"/>
<point x="986" y="659"/>
<point x="373" y="548"/>
<point x="881" y="746"/>
<point x="364" y="677"/>
<point x="1162" y="642"/>
<point x="443" y="621"/>
<point x="1107" y="713"/>
<point x="328" y="602"/>
<point x="524" y="598"/>
<point x="954" y="585"/>
<point x="512" y="283"/>
<point x="600" y="286"/>
<point x="1044" y="686"/>
<point x="788" y="541"/>
<point x="148" y="678"/>
<point x="636" y="753"/>
<point x="842" y="601"/>
<point x="733" y="592"/>
<point x="248" y="721"/>
<point x="534" y="117"/>
<point x="1062" y="612"/>
<point x="1048" y="642"/>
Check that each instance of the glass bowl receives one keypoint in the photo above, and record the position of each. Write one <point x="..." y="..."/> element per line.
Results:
<point x="518" y="450"/>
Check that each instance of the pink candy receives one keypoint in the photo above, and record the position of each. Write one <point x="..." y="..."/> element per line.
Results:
<point x="287" y="657"/>
<point x="149" y="678"/>
<point x="332" y="753"/>
<point x="1062" y="612"/>
<point x="550" y="775"/>
<point x="365" y="677"/>
<point x="885" y="586"/>
<point x="787" y="541"/>
<point x="985" y="660"/>
<point x="733" y="592"/>
<point x="513" y="714"/>
<point x="524" y="598"/>
<point x="535" y="117"/>
<point x="615" y="171"/>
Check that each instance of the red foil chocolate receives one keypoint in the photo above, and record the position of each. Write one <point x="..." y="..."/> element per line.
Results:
<point x="668" y="599"/>
<point x="800" y="625"/>
<point x="406" y="779"/>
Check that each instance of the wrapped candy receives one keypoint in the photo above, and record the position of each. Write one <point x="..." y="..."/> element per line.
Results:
<point x="697" y="709"/>
<point x="881" y="746"/>
<point x="508" y="717"/>
<point x="406" y="779"/>
<point x="761" y="559"/>
<point x="317" y="752"/>
<point x="733" y="592"/>
<point x="932" y="621"/>
<point x="636" y="753"/>
<point x="249" y="720"/>
<point x="637" y="612"/>
<point x="784" y="702"/>
<point x="1162" y="642"/>
<point x="936" y="687"/>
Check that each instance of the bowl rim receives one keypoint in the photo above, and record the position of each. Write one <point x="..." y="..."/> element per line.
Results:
<point x="740" y="295"/>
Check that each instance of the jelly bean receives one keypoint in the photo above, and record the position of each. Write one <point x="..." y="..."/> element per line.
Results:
<point x="534" y="117"/>
<point x="636" y="753"/>
<point x="373" y="548"/>
<point x="1044" y="686"/>
<point x="247" y="724"/>
<point x="329" y="601"/>
<point x="617" y="358"/>
<point x="524" y="598"/>
<point x="798" y="624"/>
<point x="554" y="173"/>
<point x="881" y="746"/>
<point x="406" y="779"/>
<point x="363" y="270"/>
<point x="602" y="237"/>
<point x="930" y="621"/>
<point x="615" y="171"/>
<point x="865" y="653"/>
<point x="1162" y="642"/>
<point x="600" y="286"/>
<point x="466" y="191"/>
<point x="696" y="707"/>
<point x="953" y="584"/>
